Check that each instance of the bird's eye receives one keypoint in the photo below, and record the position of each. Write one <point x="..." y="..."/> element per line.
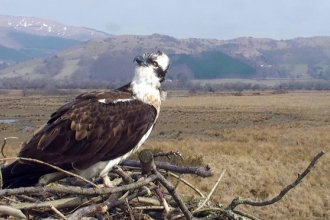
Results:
<point x="155" y="64"/>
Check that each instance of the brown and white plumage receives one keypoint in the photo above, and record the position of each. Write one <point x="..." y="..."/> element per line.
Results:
<point x="97" y="130"/>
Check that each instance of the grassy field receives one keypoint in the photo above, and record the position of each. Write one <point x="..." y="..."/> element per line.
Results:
<point x="263" y="141"/>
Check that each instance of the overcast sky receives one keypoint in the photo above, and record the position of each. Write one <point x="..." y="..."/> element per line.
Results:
<point x="220" y="19"/>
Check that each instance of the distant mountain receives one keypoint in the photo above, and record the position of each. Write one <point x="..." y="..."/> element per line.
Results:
<point x="111" y="59"/>
<point x="46" y="27"/>
<point x="24" y="38"/>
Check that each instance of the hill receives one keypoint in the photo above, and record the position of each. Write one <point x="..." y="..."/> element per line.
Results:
<point x="46" y="27"/>
<point x="111" y="59"/>
<point x="24" y="38"/>
<point x="215" y="64"/>
<point x="33" y="46"/>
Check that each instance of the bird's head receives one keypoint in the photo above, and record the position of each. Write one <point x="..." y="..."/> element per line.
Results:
<point x="151" y="67"/>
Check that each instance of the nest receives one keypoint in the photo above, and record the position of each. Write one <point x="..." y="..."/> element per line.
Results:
<point x="141" y="191"/>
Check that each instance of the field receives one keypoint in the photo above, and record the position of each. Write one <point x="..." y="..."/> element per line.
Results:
<point x="262" y="140"/>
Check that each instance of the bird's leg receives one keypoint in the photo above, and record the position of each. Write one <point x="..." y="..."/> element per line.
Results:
<point x="51" y="177"/>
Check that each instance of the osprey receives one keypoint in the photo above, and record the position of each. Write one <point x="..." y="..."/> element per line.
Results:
<point x="97" y="130"/>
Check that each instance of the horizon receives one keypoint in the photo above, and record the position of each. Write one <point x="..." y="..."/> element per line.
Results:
<point x="215" y="20"/>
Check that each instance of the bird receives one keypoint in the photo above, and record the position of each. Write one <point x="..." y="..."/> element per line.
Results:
<point x="97" y="130"/>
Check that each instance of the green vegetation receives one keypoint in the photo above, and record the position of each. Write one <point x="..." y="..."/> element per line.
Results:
<point x="215" y="64"/>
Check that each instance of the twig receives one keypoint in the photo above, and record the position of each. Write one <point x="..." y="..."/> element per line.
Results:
<point x="95" y="208"/>
<point x="129" y="209"/>
<point x="212" y="191"/>
<point x="155" y="207"/>
<point x="126" y="178"/>
<point x="178" y="181"/>
<point x="245" y="215"/>
<point x="54" y="167"/>
<point x="4" y="144"/>
<point x="1" y="180"/>
<point x="28" y="198"/>
<point x="162" y="200"/>
<point x="103" y="207"/>
<point x="199" y="171"/>
<point x="147" y="164"/>
<point x="58" y="212"/>
<point x="96" y="199"/>
<point x="188" y="184"/>
<point x="146" y="200"/>
<point x="175" y="196"/>
<point x="60" y="203"/>
<point x="12" y="211"/>
<point x="77" y="190"/>
<point x="238" y="201"/>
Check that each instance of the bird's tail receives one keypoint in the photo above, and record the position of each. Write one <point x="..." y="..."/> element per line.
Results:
<point x="18" y="174"/>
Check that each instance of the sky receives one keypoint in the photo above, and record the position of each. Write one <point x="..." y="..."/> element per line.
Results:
<point x="215" y="19"/>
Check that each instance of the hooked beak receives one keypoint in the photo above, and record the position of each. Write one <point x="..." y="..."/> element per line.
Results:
<point x="140" y="60"/>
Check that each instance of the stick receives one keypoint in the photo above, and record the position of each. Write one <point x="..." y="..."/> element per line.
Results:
<point x="77" y="190"/>
<point x="188" y="184"/>
<point x="52" y="166"/>
<point x="11" y="211"/>
<point x="28" y="198"/>
<point x="60" y="203"/>
<point x="147" y="162"/>
<point x="103" y="207"/>
<point x="212" y="191"/>
<point x="58" y="212"/>
<point x="245" y="215"/>
<point x="238" y="201"/>
<point x="199" y="171"/>
<point x="129" y="209"/>
<point x="175" y="196"/>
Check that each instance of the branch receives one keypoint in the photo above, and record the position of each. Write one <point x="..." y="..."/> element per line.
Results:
<point x="238" y="201"/>
<point x="52" y="166"/>
<point x="11" y="211"/>
<point x="244" y="215"/>
<point x="60" y="203"/>
<point x="199" y="171"/>
<point x="108" y="204"/>
<point x="77" y="190"/>
<point x="95" y="208"/>
<point x="147" y="165"/>
<point x="58" y="213"/>
<point x="147" y="161"/>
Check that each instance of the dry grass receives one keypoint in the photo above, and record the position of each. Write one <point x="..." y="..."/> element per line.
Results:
<point x="263" y="141"/>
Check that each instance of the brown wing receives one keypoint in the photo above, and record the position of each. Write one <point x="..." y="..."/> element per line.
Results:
<point x="86" y="131"/>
